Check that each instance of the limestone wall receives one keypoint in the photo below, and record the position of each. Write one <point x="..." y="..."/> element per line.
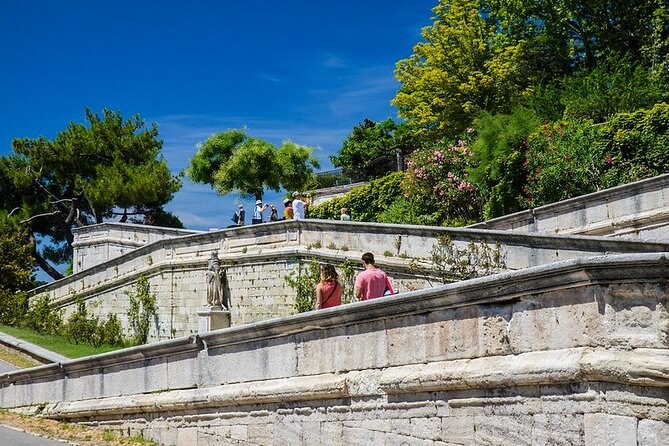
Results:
<point x="258" y="258"/>
<point x="96" y="244"/>
<point x="573" y="353"/>
<point x="637" y="210"/>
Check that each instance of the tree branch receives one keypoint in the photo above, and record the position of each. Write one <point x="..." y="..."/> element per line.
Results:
<point x="48" y="214"/>
<point x="42" y="262"/>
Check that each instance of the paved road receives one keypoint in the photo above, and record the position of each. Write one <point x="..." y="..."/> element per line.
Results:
<point x="13" y="437"/>
<point x="4" y="368"/>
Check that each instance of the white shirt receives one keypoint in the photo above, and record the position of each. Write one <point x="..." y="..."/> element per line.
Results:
<point x="298" y="209"/>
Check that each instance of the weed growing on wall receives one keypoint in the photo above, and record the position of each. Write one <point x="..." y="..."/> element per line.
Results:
<point x="303" y="281"/>
<point x="476" y="260"/>
<point x="347" y="281"/>
<point x="142" y="310"/>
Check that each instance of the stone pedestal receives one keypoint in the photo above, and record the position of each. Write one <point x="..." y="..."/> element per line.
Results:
<point x="213" y="318"/>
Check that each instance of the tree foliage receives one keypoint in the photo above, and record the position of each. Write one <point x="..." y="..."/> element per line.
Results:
<point x="499" y="153"/>
<point x="461" y="68"/>
<point x="371" y="150"/>
<point x="81" y="176"/>
<point x="231" y="161"/>
<point x="485" y="55"/>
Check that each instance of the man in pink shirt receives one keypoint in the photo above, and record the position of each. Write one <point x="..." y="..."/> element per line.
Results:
<point x="372" y="282"/>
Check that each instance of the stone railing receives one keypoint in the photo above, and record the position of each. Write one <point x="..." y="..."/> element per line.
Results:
<point x="637" y="210"/>
<point x="96" y="244"/>
<point x="258" y="258"/>
<point x="569" y="353"/>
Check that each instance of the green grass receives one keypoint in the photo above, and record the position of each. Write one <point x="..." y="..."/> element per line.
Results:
<point x="57" y="344"/>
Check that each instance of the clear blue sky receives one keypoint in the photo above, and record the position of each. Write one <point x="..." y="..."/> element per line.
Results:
<point x="307" y="71"/>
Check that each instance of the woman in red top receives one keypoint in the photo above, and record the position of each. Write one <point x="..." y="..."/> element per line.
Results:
<point x="328" y="290"/>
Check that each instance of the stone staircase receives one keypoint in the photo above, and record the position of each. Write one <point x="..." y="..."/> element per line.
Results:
<point x="569" y="346"/>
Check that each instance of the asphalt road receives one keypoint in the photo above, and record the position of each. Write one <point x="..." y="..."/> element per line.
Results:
<point x="4" y="368"/>
<point x="13" y="437"/>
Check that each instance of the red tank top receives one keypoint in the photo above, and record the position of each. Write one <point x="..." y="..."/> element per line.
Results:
<point x="331" y="294"/>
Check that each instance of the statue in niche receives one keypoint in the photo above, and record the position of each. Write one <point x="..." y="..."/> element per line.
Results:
<point x="214" y="289"/>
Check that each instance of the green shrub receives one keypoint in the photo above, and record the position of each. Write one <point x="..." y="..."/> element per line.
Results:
<point x="42" y="318"/>
<point x="641" y="138"/>
<point x="565" y="160"/>
<point x="80" y="328"/>
<point x="364" y="203"/>
<point x="615" y="85"/>
<point x="499" y="152"/>
<point x="111" y="332"/>
<point x="13" y="307"/>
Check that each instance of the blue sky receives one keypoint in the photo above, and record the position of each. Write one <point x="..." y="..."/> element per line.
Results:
<point x="306" y="71"/>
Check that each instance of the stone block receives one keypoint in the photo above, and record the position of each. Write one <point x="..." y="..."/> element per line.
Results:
<point x="556" y="430"/>
<point x="458" y="430"/>
<point x="653" y="433"/>
<point x="497" y="430"/>
<point x="361" y="346"/>
<point x="604" y="429"/>
<point x="402" y="333"/>
<point x="266" y="359"/>
<point x="187" y="435"/>
<point x="332" y="433"/>
<point x="426" y="428"/>
<point x="394" y="439"/>
<point x="354" y="436"/>
<point x="287" y="434"/>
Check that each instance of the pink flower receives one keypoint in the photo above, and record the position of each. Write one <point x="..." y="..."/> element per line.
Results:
<point x="608" y="159"/>
<point x="470" y="129"/>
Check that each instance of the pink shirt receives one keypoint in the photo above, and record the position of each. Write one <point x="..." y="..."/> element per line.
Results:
<point x="372" y="282"/>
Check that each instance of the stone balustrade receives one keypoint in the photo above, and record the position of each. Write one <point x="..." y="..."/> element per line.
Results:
<point x="258" y="258"/>
<point x="637" y="210"/>
<point x="96" y="244"/>
<point x="574" y="352"/>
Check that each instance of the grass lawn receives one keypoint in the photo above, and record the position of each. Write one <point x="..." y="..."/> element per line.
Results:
<point x="57" y="344"/>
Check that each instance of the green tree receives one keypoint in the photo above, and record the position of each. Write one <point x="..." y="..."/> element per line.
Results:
<point x="461" y="68"/>
<point x="231" y="161"/>
<point x="579" y="33"/>
<point x="82" y="176"/>
<point x="372" y="149"/>
<point x="499" y="153"/>
<point x="16" y="269"/>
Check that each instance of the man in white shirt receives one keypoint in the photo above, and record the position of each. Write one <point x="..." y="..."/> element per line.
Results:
<point x="299" y="206"/>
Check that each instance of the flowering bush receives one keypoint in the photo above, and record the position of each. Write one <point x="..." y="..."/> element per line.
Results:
<point x="569" y="159"/>
<point x="437" y="177"/>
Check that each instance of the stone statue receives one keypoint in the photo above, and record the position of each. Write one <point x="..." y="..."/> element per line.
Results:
<point x="214" y="290"/>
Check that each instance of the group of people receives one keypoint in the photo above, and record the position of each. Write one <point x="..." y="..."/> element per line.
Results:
<point x="372" y="282"/>
<point x="293" y="209"/>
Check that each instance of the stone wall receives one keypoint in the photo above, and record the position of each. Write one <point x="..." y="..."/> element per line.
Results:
<point x="637" y="210"/>
<point x="96" y="244"/>
<point x="573" y="353"/>
<point x="258" y="258"/>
